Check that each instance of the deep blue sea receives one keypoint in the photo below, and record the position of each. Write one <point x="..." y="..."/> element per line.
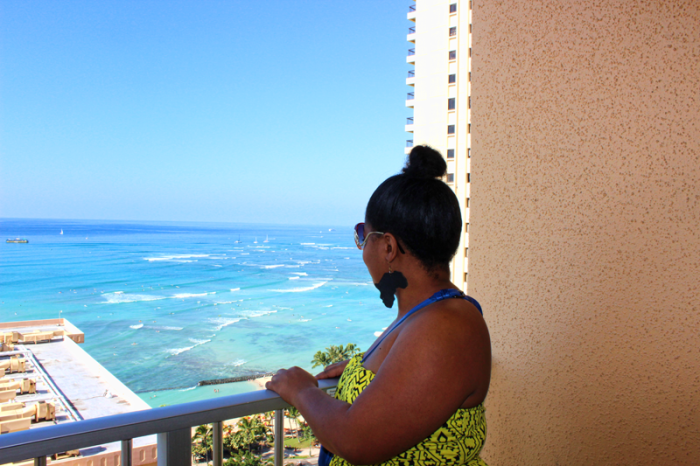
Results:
<point x="165" y="305"/>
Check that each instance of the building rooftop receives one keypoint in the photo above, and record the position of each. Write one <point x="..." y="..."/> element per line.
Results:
<point x="70" y="379"/>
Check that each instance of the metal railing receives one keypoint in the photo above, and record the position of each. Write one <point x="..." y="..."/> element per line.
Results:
<point x="412" y="30"/>
<point x="409" y="120"/>
<point x="411" y="8"/>
<point x="172" y="424"/>
<point x="411" y="52"/>
<point x="412" y="73"/>
<point x="410" y="96"/>
<point x="409" y="143"/>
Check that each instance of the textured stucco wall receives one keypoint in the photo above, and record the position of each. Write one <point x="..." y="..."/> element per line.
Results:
<point x="585" y="228"/>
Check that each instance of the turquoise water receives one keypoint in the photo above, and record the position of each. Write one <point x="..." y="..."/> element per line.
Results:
<point x="166" y="305"/>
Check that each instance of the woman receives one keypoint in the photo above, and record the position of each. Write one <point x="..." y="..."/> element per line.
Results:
<point x="430" y="369"/>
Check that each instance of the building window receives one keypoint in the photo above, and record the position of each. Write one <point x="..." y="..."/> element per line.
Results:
<point x="451" y="79"/>
<point x="450" y="153"/>
<point x="453" y="31"/>
<point x="466" y="227"/>
<point x="469" y="128"/>
<point x="453" y="54"/>
<point x="469" y="178"/>
<point x="469" y="153"/>
<point x="450" y="177"/>
<point x="470" y="101"/>
<point x="450" y="129"/>
<point x="451" y="103"/>
<point x="453" y="8"/>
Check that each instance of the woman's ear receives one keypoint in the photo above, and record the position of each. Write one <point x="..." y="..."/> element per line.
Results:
<point x="391" y="247"/>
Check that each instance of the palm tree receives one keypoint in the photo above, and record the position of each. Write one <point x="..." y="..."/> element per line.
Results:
<point x="334" y="354"/>
<point x="293" y="415"/>
<point x="202" y="442"/>
<point x="251" y="432"/>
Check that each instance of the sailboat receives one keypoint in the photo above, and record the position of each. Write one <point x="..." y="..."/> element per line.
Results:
<point x="256" y="240"/>
<point x="267" y="240"/>
<point x="239" y="239"/>
<point x="61" y="230"/>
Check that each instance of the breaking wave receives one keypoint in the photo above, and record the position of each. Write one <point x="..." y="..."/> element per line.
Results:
<point x="301" y="290"/>
<point x="221" y="322"/>
<point x="121" y="297"/>
<point x="176" y="351"/>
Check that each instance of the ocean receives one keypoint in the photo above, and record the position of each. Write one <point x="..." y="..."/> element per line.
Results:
<point x="165" y="305"/>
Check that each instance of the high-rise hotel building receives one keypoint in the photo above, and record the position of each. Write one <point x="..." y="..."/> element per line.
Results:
<point x="440" y="52"/>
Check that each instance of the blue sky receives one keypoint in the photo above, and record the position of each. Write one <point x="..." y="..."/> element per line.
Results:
<point x="223" y="111"/>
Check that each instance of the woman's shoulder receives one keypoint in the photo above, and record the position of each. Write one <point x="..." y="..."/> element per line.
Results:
<point x="456" y="315"/>
<point x="451" y="329"/>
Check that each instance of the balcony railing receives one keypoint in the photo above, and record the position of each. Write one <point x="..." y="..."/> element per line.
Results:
<point x="411" y="52"/>
<point x="173" y="424"/>
<point x="412" y="73"/>
<point x="409" y="120"/>
<point x="411" y="8"/>
<point x="412" y="30"/>
<point x="410" y="96"/>
<point x="409" y="143"/>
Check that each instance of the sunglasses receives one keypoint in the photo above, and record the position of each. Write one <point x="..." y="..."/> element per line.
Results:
<point x="361" y="238"/>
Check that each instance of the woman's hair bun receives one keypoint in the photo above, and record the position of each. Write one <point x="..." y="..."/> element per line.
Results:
<point x="424" y="162"/>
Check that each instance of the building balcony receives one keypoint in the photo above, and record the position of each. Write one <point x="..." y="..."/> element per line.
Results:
<point x="411" y="79"/>
<point x="172" y="424"/>
<point x="411" y="58"/>
<point x="411" y="16"/>
<point x="407" y="150"/>
<point x="409" y="99"/>
<point x="411" y="37"/>
<point x="409" y="125"/>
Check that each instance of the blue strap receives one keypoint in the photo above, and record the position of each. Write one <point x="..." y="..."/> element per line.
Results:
<point x="439" y="296"/>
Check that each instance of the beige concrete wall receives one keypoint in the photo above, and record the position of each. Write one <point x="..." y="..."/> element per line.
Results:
<point x="585" y="228"/>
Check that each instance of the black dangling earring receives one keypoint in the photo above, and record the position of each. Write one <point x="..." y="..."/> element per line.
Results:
<point x="387" y="286"/>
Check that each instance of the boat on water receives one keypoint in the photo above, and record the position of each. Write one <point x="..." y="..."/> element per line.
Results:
<point x="17" y="240"/>
<point x="61" y="231"/>
<point x="267" y="239"/>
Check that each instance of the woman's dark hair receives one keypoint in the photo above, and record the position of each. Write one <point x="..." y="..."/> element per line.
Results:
<point x="419" y="209"/>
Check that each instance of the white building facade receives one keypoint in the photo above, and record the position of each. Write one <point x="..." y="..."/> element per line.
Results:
<point x="439" y="94"/>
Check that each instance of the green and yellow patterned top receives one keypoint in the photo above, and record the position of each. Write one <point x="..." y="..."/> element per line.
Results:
<point x="457" y="441"/>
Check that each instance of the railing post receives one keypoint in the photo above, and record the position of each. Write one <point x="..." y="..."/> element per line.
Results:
<point x="175" y="448"/>
<point x="126" y="452"/>
<point x="40" y="461"/>
<point x="218" y="443"/>
<point x="279" y="437"/>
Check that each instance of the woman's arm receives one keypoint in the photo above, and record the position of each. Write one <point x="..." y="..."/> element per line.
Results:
<point x="439" y="360"/>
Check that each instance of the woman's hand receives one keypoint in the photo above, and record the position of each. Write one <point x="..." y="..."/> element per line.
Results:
<point x="333" y="371"/>
<point x="288" y="383"/>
